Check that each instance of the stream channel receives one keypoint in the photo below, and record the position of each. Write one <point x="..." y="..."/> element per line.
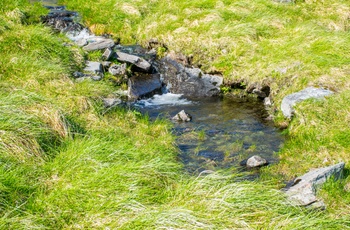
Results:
<point x="223" y="133"/>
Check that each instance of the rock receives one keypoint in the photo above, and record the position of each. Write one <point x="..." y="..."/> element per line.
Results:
<point x="106" y="65"/>
<point x="111" y="102"/>
<point x="81" y="42"/>
<point x="93" y="67"/>
<point x="99" y="43"/>
<point x="303" y="190"/>
<point x="96" y="77"/>
<point x="108" y="54"/>
<point x="117" y="70"/>
<point x="267" y="102"/>
<point x="256" y="161"/>
<point x="290" y="100"/>
<point x="77" y="74"/>
<point x="189" y="82"/>
<point x="141" y="63"/>
<point x="259" y="93"/>
<point x="144" y="85"/>
<point x="182" y="116"/>
<point x="212" y="155"/>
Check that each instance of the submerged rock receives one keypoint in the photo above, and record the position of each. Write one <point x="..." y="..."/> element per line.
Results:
<point x="212" y="155"/>
<point x="144" y="85"/>
<point x="182" y="116"/>
<point x="290" y="100"/>
<point x="256" y="161"/>
<point x="303" y="190"/>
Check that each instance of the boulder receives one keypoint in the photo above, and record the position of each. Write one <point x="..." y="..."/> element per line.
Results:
<point x="290" y="100"/>
<point x="256" y="161"/>
<point x="190" y="82"/>
<point x="139" y="62"/>
<point x="77" y="74"/>
<point x="93" y="67"/>
<point x="182" y="116"/>
<point x="144" y="85"/>
<point x="117" y="70"/>
<point x="303" y="190"/>
<point x="99" y="43"/>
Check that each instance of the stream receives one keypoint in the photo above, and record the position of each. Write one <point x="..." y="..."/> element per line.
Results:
<point x="224" y="131"/>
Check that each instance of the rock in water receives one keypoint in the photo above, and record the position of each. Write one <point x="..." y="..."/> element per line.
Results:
<point x="144" y="85"/>
<point x="182" y="116"/>
<point x="134" y="60"/>
<point x="256" y="161"/>
<point x="290" y="100"/>
<point x="303" y="191"/>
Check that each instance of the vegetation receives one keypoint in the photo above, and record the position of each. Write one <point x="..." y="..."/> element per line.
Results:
<point x="66" y="162"/>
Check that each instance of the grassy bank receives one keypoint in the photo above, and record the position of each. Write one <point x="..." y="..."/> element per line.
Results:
<point x="287" y="46"/>
<point x="67" y="163"/>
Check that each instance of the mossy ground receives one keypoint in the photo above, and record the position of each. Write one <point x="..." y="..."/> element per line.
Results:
<point x="67" y="163"/>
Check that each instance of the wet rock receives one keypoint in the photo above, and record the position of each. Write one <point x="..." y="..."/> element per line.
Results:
<point x="143" y="85"/>
<point x="111" y="102"/>
<point x="117" y="70"/>
<point x="256" y="161"/>
<point x="188" y="81"/>
<point x="93" y="67"/>
<point x="108" y="54"/>
<point x="182" y="116"/>
<point x="141" y="63"/>
<point x="303" y="190"/>
<point x="290" y="100"/>
<point x="212" y="155"/>
<point x="99" y="43"/>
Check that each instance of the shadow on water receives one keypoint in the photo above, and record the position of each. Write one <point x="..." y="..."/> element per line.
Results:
<point x="223" y="131"/>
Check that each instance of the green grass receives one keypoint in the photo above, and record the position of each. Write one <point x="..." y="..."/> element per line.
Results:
<point x="66" y="162"/>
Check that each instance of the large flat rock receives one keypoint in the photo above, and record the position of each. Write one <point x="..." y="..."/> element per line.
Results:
<point x="134" y="60"/>
<point x="303" y="191"/>
<point x="98" y="43"/>
<point x="290" y="100"/>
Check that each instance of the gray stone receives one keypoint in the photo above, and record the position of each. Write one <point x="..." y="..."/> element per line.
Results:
<point x="303" y="190"/>
<point x="144" y="85"/>
<point x="267" y="102"/>
<point x="134" y="60"/>
<point x="93" y="67"/>
<point x="290" y="100"/>
<point x="81" y="42"/>
<point x="182" y="116"/>
<point x="188" y="81"/>
<point x="111" y="102"/>
<point x="99" y="43"/>
<point x="117" y="70"/>
<point x="96" y="77"/>
<point x="77" y="74"/>
<point x="106" y="64"/>
<point x="256" y="161"/>
<point x="108" y="54"/>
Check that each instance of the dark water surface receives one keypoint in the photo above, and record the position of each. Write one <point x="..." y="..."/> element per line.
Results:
<point x="222" y="133"/>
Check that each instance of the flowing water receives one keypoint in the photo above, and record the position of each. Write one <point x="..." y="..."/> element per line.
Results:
<point x="223" y="131"/>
